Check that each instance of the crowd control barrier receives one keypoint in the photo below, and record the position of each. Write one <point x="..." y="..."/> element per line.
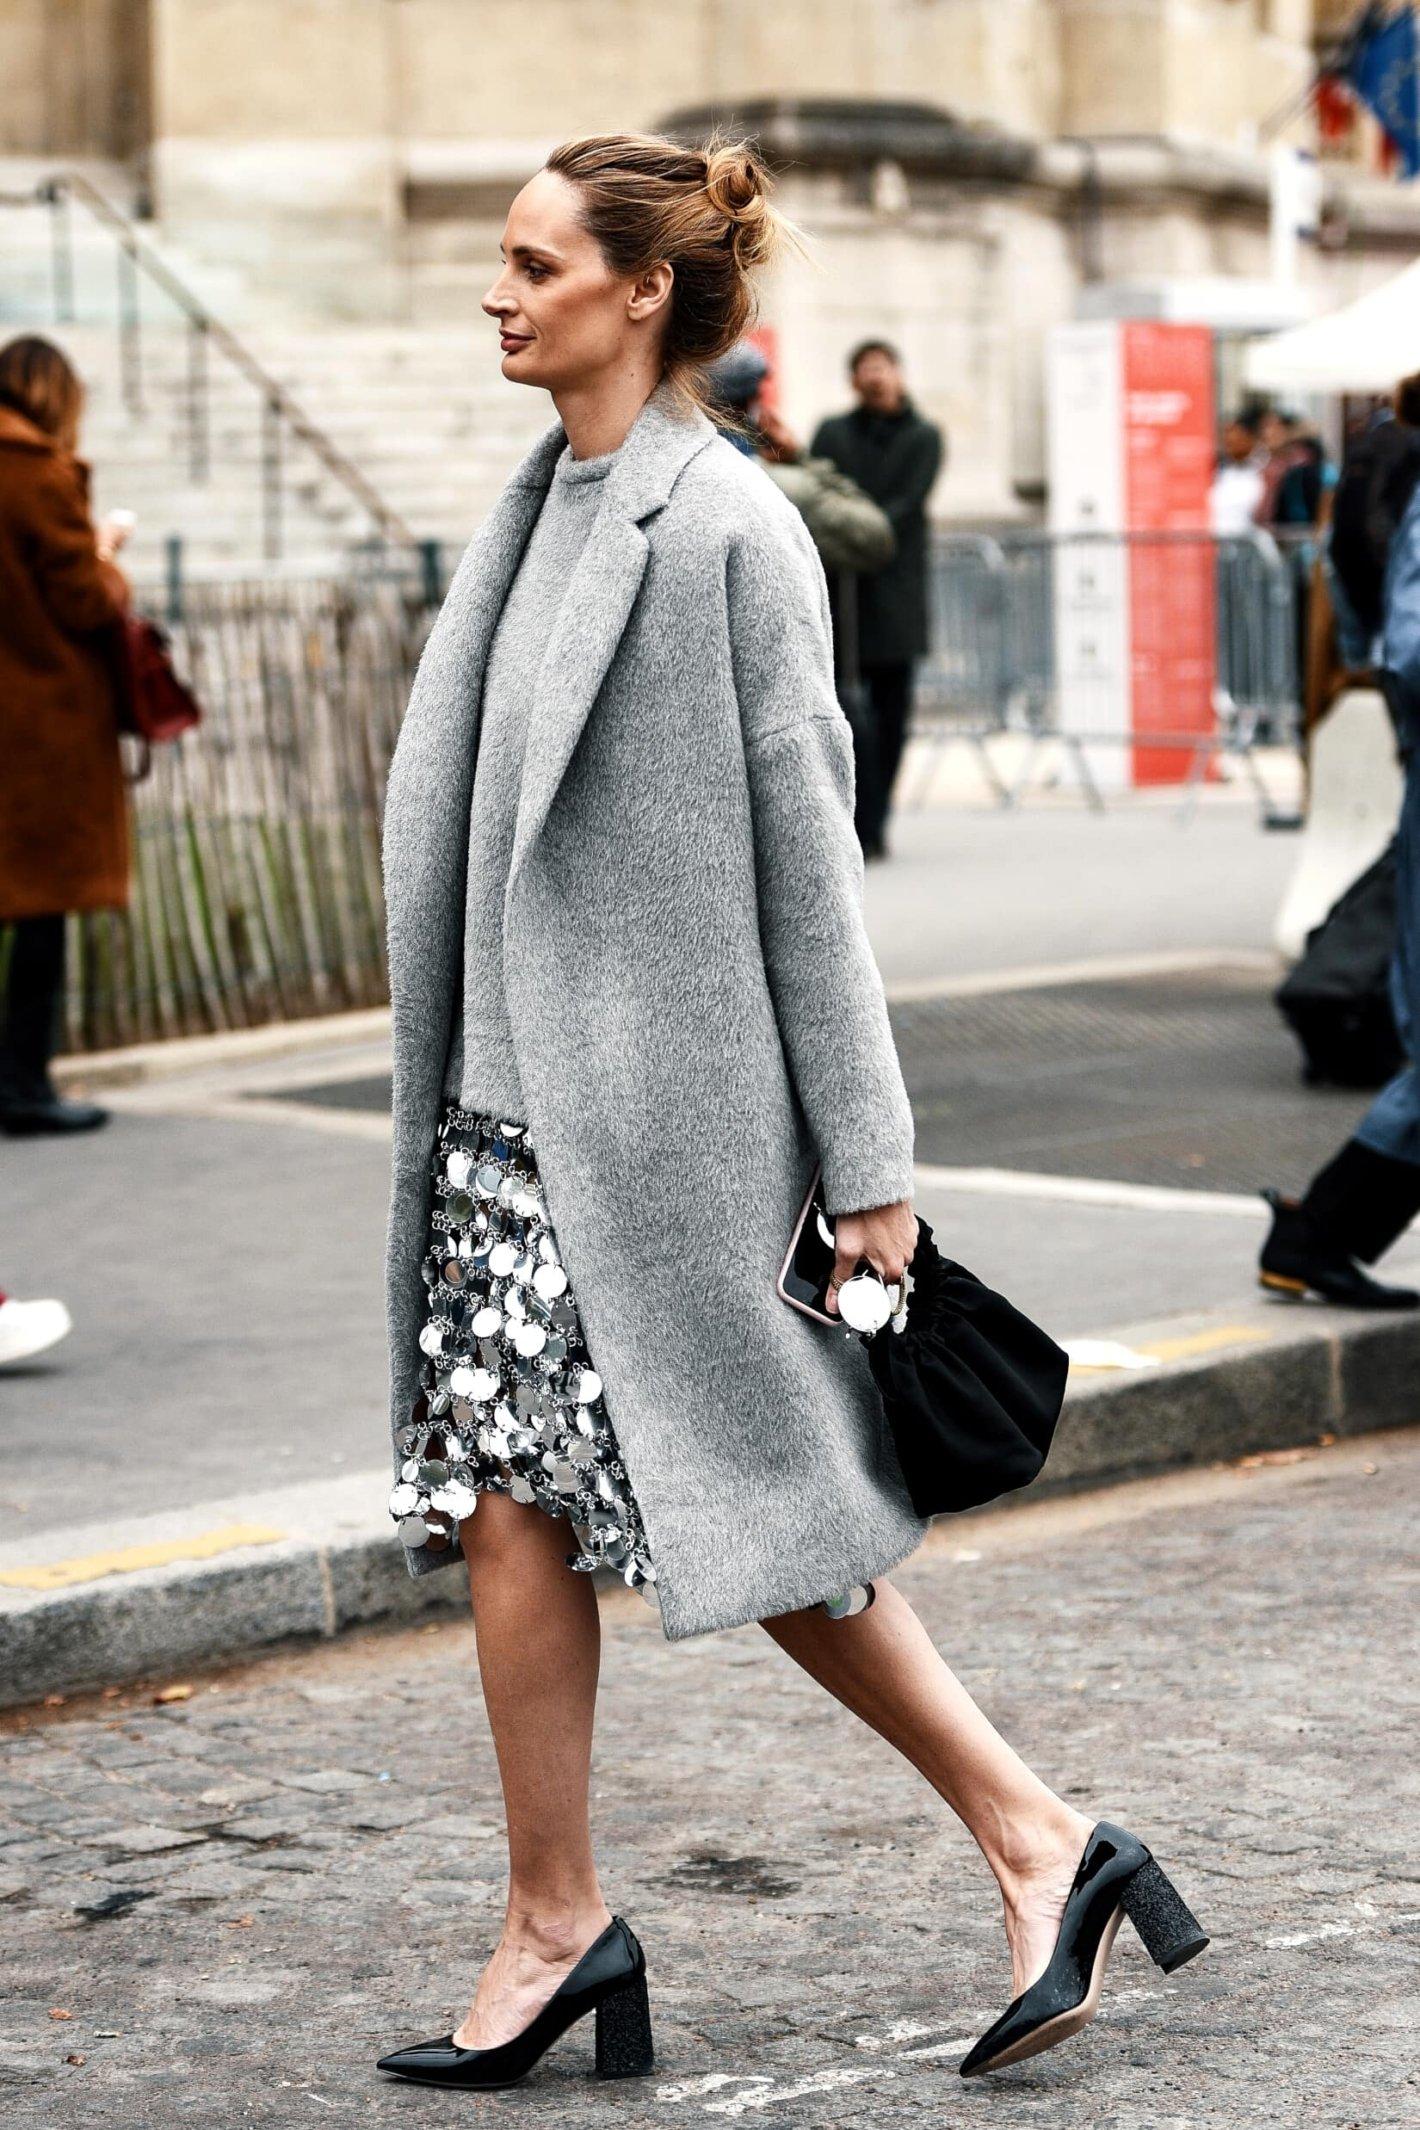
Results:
<point x="996" y="663"/>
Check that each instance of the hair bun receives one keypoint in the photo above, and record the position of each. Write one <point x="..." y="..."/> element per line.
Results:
<point x="734" y="180"/>
<point x="737" y="186"/>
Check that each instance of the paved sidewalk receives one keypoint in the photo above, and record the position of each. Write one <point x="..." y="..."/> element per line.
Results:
<point x="311" y="1853"/>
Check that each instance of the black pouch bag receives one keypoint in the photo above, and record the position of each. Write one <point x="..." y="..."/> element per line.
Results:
<point x="972" y="1388"/>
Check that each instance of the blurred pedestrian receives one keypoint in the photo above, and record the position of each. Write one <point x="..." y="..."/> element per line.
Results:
<point x="853" y="536"/>
<point x="64" y="840"/>
<point x="847" y="527"/>
<point x="894" y="454"/>
<point x="625" y="923"/>
<point x="1296" y="481"/>
<point x="1239" y="486"/>
<point x="1365" y="1198"/>
<point x="1378" y="479"/>
<point x="1295" y="475"/>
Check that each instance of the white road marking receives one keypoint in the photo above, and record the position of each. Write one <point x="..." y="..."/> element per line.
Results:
<point x="1309" y="1937"/>
<point x="899" y="2030"/>
<point x="712" y="2082"/>
<point x="770" y="2095"/>
<point x="1090" y="1191"/>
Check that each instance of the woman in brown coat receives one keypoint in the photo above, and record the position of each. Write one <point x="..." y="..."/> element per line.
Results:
<point x="63" y="818"/>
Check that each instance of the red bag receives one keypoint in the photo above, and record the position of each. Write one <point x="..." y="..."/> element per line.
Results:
<point x="153" y="704"/>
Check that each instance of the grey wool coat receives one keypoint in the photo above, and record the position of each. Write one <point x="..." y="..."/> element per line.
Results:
<point x="695" y="1008"/>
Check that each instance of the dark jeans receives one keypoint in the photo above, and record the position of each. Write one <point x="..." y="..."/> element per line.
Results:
<point x="888" y="689"/>
<point x="29" y="1024"/>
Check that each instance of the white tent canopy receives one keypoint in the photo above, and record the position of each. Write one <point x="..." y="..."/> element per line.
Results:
<point x="1363" y="347"/>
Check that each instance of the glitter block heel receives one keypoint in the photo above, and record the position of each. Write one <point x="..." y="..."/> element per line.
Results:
<point x="624" y="2047"/>
<point x="1170" y="1930"/>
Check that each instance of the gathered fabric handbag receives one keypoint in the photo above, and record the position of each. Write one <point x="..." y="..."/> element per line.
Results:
<point x="154" y="705"/>
<point x="971" y="1388"/>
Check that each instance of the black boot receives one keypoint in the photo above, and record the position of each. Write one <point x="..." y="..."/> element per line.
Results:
<point x="1364" y="1200"/>
<point x="30" y="1103"/>
<point x="1355" y="1208"/>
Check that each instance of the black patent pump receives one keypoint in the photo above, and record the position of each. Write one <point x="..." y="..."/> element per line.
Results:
<point x="609" y="1979"/>
<point x="1117" y="1877"/>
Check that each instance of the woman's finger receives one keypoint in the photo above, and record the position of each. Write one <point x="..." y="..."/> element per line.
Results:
<point x="846" y="1254"/>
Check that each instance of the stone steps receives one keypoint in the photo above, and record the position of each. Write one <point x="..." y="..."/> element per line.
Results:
<point x="421" y="411"/>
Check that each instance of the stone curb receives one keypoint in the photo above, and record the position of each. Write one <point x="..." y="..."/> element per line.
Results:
<point x="324" y="1558"/>
<point x="138" y="1064"/>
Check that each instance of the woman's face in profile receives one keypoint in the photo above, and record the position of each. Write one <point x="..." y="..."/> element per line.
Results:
<point x="562" y="314"/>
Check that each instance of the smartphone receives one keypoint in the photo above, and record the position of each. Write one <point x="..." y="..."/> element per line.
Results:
<point x="809" y="1260"/>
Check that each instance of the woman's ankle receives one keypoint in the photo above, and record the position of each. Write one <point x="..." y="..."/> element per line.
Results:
<point x="556" y="1928"/>
<point x="1025" y="1851"/>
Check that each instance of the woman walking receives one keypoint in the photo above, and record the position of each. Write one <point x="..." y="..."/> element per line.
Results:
<point x="633" y="1003"/>
<point x="63" y="816"/>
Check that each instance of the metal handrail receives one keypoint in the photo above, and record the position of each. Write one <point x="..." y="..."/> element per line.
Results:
<point x="281" y="415"/>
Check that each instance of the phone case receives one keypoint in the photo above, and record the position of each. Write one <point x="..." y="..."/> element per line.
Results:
<point x="808" y="1261"/>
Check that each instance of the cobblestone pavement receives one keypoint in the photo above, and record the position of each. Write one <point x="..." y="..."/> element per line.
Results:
<point x="221" y="1908"/>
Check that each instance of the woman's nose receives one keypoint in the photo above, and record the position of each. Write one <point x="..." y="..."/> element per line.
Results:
<point x="494" y="302"/>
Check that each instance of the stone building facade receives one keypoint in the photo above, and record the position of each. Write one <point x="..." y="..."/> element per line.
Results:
<point x="964" y="169"/>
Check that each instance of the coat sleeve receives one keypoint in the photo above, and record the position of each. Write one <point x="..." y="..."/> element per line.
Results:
<point x="82" y="592"/>
<point x="847" y="527"/>
<point x="827" y="993"/>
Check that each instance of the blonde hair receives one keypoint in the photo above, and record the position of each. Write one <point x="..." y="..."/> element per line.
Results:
<point x="38" y="380"/>
<point x="705" y="210"/>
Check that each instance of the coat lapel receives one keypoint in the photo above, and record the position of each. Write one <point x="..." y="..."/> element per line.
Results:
<point x="431" y="775"/>
<point x="598" y="603"/>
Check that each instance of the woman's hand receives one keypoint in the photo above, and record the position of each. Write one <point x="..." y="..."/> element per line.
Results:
<point x="113" y="531"/>
<point x="886" y="1236"/>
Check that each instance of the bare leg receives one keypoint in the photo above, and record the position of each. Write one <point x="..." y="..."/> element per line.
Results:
<point x="539" y="1649"/>
<point x="883" y="1666"/>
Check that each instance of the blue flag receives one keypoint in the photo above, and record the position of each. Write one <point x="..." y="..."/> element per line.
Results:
<point x="1383" y="67"/>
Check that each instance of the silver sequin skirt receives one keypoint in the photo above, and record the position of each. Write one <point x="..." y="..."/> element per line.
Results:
<point x="509" y="1400"/>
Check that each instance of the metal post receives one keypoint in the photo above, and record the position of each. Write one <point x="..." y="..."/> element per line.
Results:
<point x="198" y="429"/>
<point x="61" y="254"/>
<point x="431" y="571"/>
<point x="271" y="478"/>
<point x="172" y="570"/>
<point x="130" y="344"/>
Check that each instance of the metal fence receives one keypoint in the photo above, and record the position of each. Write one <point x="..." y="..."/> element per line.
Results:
<point x="995" y="664"/>
<point x="256" y="888"/>
<point x="256" y="892"/>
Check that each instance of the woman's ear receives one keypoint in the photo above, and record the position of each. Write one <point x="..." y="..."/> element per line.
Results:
<point x="651" y="292"/>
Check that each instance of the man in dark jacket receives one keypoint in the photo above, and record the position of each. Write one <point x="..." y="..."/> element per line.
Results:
<point x="894" y="455"/>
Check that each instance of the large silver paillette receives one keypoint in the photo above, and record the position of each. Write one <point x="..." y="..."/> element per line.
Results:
<point x="509" y="1401"/>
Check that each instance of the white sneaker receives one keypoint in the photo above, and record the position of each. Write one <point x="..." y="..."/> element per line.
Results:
<point x="28" y="1327"/>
